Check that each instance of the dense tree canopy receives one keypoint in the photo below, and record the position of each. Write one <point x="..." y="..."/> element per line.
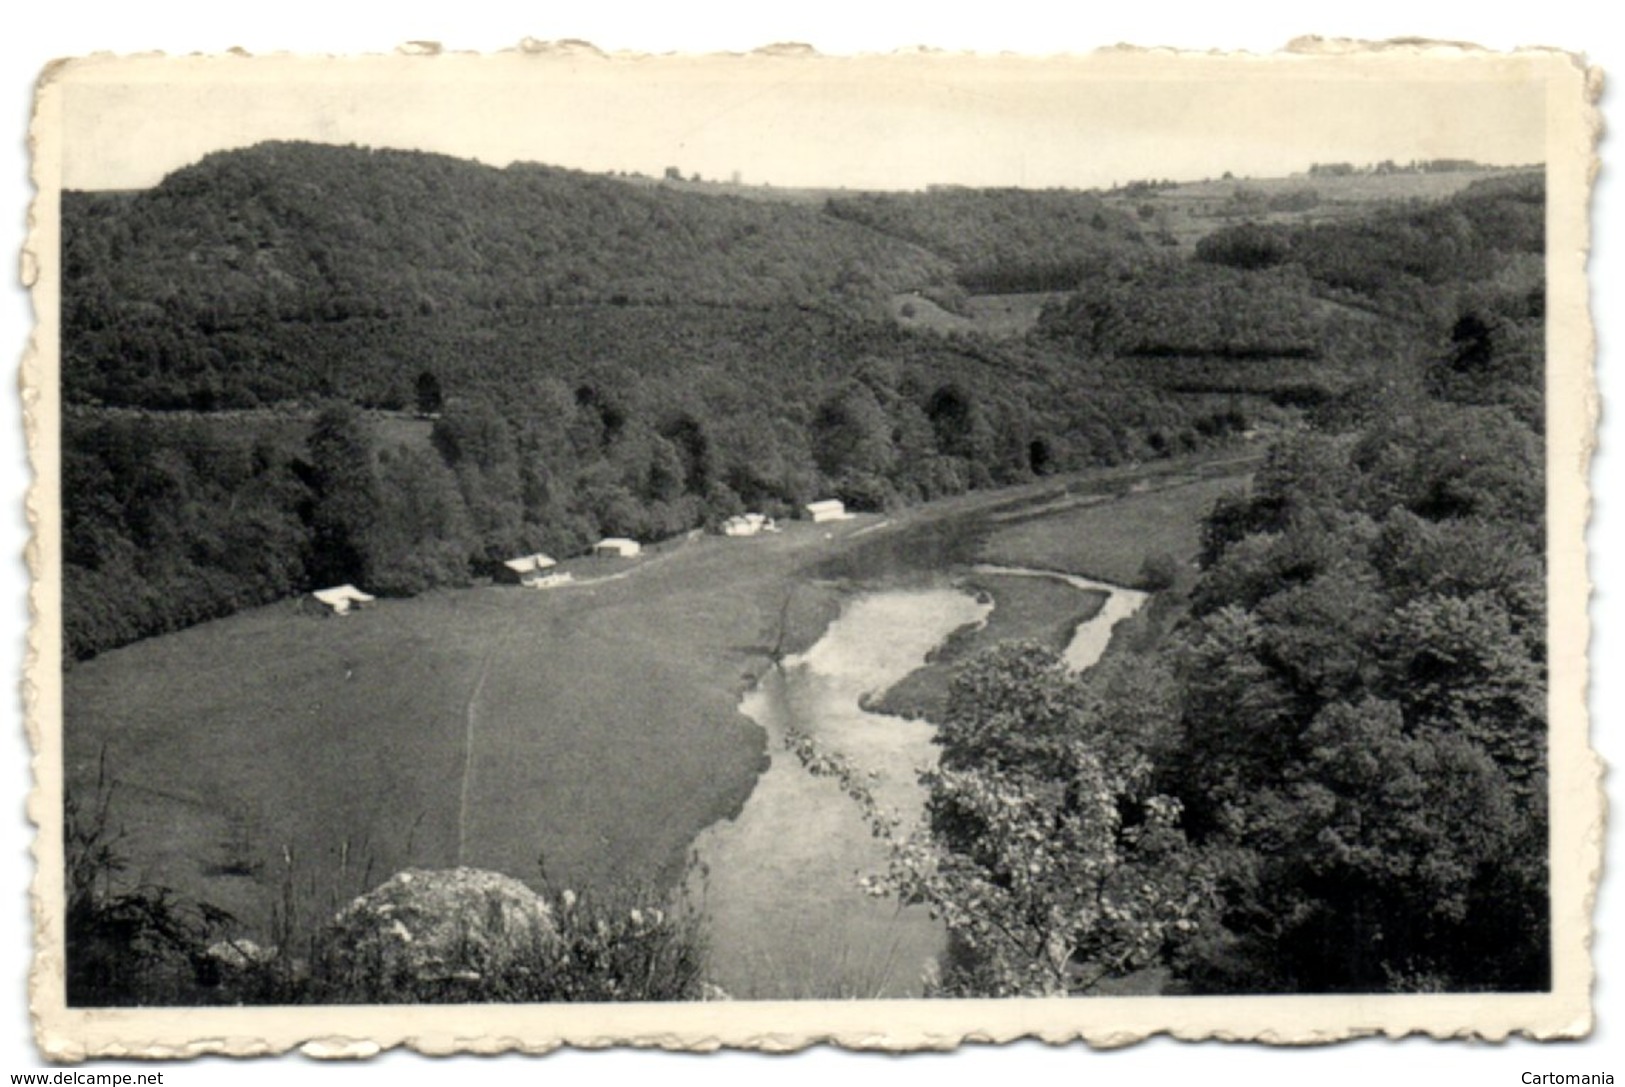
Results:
<point x="1051" y="856"/>
<point x="1341" y="748"/>
<point x="1364" y="720"/>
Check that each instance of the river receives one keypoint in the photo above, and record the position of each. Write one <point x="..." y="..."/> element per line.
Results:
<point x="788" y="919"/>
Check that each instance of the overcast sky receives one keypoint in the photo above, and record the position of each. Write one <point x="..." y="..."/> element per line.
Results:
<point x="902" y="122"/>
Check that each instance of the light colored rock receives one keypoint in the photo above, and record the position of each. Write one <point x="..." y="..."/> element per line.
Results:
<point x="239" y="954"/>
<point x="435" y="925"/>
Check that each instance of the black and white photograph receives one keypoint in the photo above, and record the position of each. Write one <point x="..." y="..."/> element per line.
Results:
<point x="684" y="549"/>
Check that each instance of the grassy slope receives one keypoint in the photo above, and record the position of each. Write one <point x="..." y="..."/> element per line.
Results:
<point x="1001" y="316"/>
<point x="605" y="731"/>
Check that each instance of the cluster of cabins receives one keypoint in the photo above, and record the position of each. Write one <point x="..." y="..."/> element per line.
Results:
<point x="749" y="524"/>
<point x="538" y="571"/>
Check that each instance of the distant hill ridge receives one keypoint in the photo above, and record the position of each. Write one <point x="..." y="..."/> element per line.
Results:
<point x="286" y="223"/>
<point x="277" y="271"/>
<point x="347" y="230"/>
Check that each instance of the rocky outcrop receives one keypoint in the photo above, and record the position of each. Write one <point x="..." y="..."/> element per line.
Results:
<point x="445" y="929"/>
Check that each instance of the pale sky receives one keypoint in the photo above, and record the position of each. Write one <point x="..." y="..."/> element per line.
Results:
<point x="899" y="122"/>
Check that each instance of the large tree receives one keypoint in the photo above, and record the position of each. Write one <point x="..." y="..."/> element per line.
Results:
<point x="1050" y="855"/>
<point x="345" y="482"/>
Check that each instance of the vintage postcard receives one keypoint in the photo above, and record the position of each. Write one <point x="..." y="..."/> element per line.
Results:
<point x="550" y="548"/>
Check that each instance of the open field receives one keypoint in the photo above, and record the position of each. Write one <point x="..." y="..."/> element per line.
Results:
<point x="595" y="726"/>
<point x="1349" y="188"/>
<point x="913" y="310"/>
<point x="1012" y="315"/>
<point x="1111" y="540"/>
<point x="1003" y="316"/>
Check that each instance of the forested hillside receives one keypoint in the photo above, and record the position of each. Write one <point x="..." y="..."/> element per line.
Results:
<point x="1327" y="772"/>
<point x="999" y="240"/>
<point x="292" y="269"/>
<point x="601" y="357"/>
<point x="1312" y="311"/>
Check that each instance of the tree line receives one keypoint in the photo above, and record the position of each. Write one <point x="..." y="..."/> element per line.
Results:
<point x="174" y="518"/>
<point x="1412" y="261"/>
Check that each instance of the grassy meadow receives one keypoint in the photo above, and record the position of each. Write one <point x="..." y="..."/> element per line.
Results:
<point x="1002" y="316"/>
<point x="597" y="725"/>
<point x="1110" y="540"/>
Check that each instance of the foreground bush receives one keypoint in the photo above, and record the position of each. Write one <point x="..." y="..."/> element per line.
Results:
<point x="459" y="935"/>
<point x="127" y="945"/>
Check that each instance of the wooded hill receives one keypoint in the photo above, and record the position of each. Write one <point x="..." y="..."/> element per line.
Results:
<point x="999" y="240"/>
<point x="290" y="270"/>
<point x="633" y="359"/>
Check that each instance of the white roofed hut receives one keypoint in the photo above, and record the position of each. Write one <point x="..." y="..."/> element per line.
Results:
<point x="747" y="524"/>
<point x="829" y="509"/>
<point x="526" y="569"/>
<point x="340" y="599"/>
<point x="616" y="547"/>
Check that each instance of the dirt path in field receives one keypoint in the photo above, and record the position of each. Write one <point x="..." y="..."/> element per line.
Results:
<point x="468" y="754"/>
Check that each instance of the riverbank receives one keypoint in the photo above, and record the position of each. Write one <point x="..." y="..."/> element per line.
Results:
<point x="1023" y="609"/>
<point x="782" y="881"/>
<point x="787" y="916"/>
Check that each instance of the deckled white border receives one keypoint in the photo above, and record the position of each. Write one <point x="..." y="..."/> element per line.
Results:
<point x="939" y="1024"/>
